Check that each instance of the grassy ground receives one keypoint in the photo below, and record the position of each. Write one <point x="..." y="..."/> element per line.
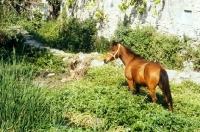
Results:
<point x="100" y="101"/>
<point x="104" y="95"/>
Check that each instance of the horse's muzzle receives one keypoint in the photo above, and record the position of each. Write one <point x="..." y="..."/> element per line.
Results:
<point x="106" y="61"/>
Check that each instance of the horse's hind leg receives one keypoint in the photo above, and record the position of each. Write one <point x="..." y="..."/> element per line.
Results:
<point x="152" y="93"/>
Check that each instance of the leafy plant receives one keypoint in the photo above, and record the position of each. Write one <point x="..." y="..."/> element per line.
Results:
<point x="157" y="1"/>
<point x="70" y="3"/>
<point x="24" y="106"/>
<point x="77" y="36"/>
<point x="106" y="98"/>
<point x="100" y="15"/>
<point x="152" y="45"/>
<point x="101" y="44"/>
<point x="140" y="5"/>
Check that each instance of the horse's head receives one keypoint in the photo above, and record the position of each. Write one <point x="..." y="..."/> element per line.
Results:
<point x="113" y="52"/>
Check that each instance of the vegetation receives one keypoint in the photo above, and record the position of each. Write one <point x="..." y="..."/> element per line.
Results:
<point x="98" y="102"/>
<point x="154" y="46"/>
<point x="24" y="106"/>
<point x="101" y="100"/>
<point x="70" y="35"/>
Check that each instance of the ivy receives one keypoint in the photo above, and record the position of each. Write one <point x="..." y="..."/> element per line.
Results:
<point x="140" y="5"/>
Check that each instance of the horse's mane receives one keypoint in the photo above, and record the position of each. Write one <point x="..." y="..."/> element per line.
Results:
<point x="129" y="49"/>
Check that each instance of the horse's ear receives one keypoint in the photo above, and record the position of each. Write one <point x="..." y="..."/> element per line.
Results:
<point x="114" y="42"/>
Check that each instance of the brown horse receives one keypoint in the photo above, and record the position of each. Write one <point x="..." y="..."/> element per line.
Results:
<point x="141" y="72"/>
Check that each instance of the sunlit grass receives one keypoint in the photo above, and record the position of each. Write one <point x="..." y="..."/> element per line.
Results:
<point x="103" y="93"/>
<point x="100" y="101"/>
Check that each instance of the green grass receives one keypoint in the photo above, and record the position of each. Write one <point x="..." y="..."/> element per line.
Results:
<point x="24" y="106"/>
<point x="102" y="93"/>
<point x="100" y="101"/>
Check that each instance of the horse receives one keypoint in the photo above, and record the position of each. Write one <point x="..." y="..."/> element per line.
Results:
<point x="141" y="72"/>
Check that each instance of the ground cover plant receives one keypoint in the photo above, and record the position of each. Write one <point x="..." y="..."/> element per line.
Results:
<point x="105" y="100"/>
<point x="100" y="101"/>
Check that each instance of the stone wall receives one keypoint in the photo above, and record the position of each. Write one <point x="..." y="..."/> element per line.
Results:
<point x="178" y="17"/>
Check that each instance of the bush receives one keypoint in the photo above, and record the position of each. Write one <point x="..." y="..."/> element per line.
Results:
<point x="101" y="44"/>
<point x="152" y="45"/>
<point x="71" y="35"/>
<point x="193" y="54"/>
<point x="10" y="39"/>
<point x="77" y="36"/>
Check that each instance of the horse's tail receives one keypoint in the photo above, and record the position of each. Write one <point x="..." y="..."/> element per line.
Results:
<point x="164" y="82"/>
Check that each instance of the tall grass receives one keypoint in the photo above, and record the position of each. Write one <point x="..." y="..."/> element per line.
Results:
<point x="24" y="106"/>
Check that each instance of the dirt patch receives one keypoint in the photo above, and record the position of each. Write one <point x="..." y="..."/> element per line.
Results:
<point x="78" y="66"/>
<point x="76" y="69"/>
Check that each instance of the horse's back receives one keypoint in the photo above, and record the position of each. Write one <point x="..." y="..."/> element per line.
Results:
<point x="143" y="72"/>
<point x="152" y="73"/>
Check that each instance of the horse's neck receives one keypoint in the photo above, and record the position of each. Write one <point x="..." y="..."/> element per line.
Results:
<point x="126" y="57"/>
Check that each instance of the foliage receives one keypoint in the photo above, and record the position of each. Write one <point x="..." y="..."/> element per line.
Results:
<point x="24" y="106"/>
<point x="101" y="44"/>
<point x="157" y="1"/>
<point x="100" y="101"/>
<point x="47" y="33"/>
<point x="69" y="34"/>
<point x="42" y="59"/>
<point x="101" y="16"/>
<point x="140" y="5"/>
<point x="70" y="3"/>
<point x="152" y="45"/>
<point x="77" y="36"/>
<point x="192" y="54"/>
<point x="9" y="39"/>
<point x="105" y="97"/>
<point x="197" y="60"/>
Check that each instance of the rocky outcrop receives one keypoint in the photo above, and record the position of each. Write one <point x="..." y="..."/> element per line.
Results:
<point x="176" y="17"/>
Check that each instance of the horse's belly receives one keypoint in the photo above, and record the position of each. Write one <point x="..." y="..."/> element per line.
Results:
<point x="139" y="80"/>
<point x="136" y="76"/>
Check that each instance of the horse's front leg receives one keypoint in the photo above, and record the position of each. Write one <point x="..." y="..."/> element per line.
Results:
<point x="131" y="85"/>
<point x="137" y="87"/>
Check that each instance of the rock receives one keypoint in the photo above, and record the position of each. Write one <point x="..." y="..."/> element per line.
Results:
<point x="184" y="75"/>
<point x="171" y="74"/>
<point x="51" y="75"/>
<point x="63" y="80"/>
<point x="95" y="63"/>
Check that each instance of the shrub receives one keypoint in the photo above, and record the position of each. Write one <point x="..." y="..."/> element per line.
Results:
<point x="77" y="36"/>
<point x="152" y="45"/>
<point x="192" y="54"/>
<point x="101" y="44"/>
<point x="71" y="35"/>
<point x="10" y="39"/>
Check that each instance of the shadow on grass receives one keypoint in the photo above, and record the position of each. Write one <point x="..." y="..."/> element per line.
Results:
<point x="144" y="92"/>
